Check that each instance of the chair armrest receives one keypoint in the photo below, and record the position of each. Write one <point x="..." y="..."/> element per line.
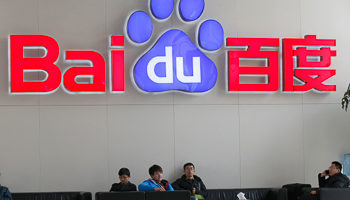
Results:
<point x="278" y="194"/>
<point x="334" y="193"/>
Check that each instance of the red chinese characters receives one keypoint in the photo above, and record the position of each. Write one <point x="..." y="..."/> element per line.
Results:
<point x="311" y="73"/>
<point x="254" y="52"/>
<point x="296" y="64"/>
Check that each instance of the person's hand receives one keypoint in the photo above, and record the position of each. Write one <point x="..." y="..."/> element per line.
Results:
<point x="324" y="173"/>
<point x="194" y="191"/>
<point x="159" y="189"/>
<point x="313" y="192"/>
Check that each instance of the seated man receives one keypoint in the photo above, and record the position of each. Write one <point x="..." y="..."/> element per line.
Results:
<point x="5" y="193"/>
<point x="124" y="185"/>
<point x="156" y="183"/>
<point x="336" y="180"/>
<point x="191" y="182"/>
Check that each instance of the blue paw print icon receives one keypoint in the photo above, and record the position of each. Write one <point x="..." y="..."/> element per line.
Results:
<point x="175" y="62"/>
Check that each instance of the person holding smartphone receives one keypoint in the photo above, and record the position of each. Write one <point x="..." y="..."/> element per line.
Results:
<point x="335" y="180"/>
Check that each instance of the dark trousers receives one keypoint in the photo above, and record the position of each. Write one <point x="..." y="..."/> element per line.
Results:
<point x="308" y="197"/>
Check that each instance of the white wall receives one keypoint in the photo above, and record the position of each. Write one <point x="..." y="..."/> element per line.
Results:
<point x="61" y="142"/>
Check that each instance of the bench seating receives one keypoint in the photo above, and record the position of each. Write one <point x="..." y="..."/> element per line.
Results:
<point x="52" y="196"/>
<point x="213" y="194"/>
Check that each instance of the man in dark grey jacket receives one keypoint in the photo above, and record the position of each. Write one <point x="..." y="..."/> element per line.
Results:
<point x="335" y="180"/>
<point x="191" y="182"/>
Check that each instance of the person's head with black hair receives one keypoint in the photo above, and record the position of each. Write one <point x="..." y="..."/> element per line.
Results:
<point x="123" y="171"/>
<point x="335" y="168"/>
<point x="189" y="164"/>
<point x="156" y="173"/>
<point x="337" y="165"/>
<point x="189" y="170"/>
<point x="124" y="175"/>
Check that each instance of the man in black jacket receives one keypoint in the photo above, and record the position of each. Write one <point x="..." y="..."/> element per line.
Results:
<point x="336" y="180"/>
<point x="191" y="182"/>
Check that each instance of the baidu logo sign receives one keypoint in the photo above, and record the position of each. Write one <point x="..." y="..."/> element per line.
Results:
<point x="175" y="62"/>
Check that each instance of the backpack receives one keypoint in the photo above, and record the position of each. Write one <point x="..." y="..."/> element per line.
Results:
<point x="295" y="190"/>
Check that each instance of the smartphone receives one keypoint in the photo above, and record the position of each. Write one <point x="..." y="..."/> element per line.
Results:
<point x="327" y="171"/>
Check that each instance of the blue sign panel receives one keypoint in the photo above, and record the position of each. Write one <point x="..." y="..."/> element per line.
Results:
<point x="347" y="164"/>
<point x="175" y="63"/>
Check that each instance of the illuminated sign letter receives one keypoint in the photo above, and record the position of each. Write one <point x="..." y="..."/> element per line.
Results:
<point x="117" y="69"/>
<point x="96" y="72"/>
<point x="18" y="64"/>
<point x="311" y="73"/>
<point x="168" y="60"/>
<point x="253" y="52"/>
